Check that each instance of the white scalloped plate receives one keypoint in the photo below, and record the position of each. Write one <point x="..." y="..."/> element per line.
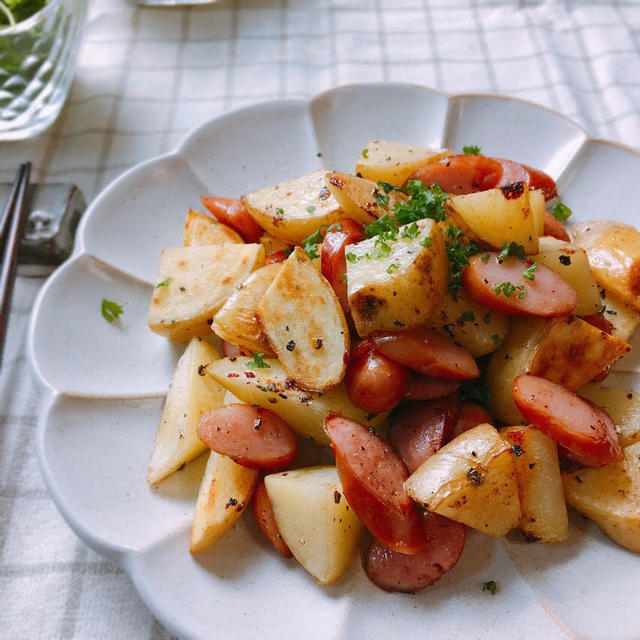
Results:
<point x="104" y="386"/>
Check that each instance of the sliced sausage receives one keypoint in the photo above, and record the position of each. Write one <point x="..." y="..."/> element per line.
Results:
<point x="426" y="388"/>
<point x="394" y="571"/>
<point x="555" y="228"/>
<point x="263" y="514"/>
<point x="419" y="429"/>
<point x="232" y="212"/>
<point x="543" y="181"/>
<point x="372" y="477"/>
<point x="501" y="285"/>
<point x="374" y="382"/>
<point x="580" y="426"/>
<point x="250" y="435"/>
<point x="427" y="352"/>
<point x="469" y="416"/>
<point x="461" y="174"/>
<point x="536" y="179"/>
<point x="278" y="256"/>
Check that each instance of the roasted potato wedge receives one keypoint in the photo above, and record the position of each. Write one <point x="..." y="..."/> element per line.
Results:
<point x="624" y="318"/>
<point x="623" y="407"/>
<point x="224" y="494"/>
<point x="194" y="282"/>
<point x="191" y="394"/>
<point x="236" y="322"/>
<point x="471" y="324"/>
<point x="305" y="325"/>
<point x="538" y="208"/>
<point x="493" y="216"/>
<point x="402" y="288"/>
<point x="394" y="162"/>
<point x="293" y="210"/>
<point x="270" y="387"/>
<point x="535" y="459"/>
<point x="610" y="496"/>
<point x="471" y="480"/>
<point x="568" y="351"/>
<point x="315" y="520"/>
<point x="571" y="262"/>
<point x="613" y="249"/>
<point x="201" y="229"/>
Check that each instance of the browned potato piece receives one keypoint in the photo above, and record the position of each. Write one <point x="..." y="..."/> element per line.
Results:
<point x="402" y="288"/>
<point x="293" y="210"/>
<point x="360" y="199"/>
<point x="201" y="229"/>
<point x="535" y="459"/>
<point x="610" y="496"/>
<point x="496" y="215"/>
<point x="394" y="162"/>
<point x="304" y="322"/>
<point x="614" y="254"/>
<point x="472" y="325"/>
<point x="194" y="282"/>
<point x="568" y="351"/>
<point x="236" y="322"/>
<point x="471" y="480"/>
<point x="272" y="245"/>
<point x="622" y="405"/>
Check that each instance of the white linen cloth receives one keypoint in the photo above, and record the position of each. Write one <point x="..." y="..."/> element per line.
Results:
<point x="147" y="76"/>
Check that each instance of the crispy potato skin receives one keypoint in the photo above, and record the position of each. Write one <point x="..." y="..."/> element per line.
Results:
<point x="198" y="281"/>
<point x="236" y="322"/>
<point x="613" y="249"/>
<point x="293" y="210"/>
<point x="384" y="298"/>
<point x="201" y="229"/>
<point x="610" y="496"/>
<point x="302" y="318"/>
<point x="568" y="351"/>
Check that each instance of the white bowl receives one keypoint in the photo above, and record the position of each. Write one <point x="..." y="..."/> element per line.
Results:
<point x="104" y="386"/>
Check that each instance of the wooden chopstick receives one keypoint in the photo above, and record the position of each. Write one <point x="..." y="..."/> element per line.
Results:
<point x="12" y="225"/>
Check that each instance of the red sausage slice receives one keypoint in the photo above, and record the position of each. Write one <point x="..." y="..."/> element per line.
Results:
<point x="419" y="429"/>
<point x="278" y="256"/>
<point x="232" y="212"/>
<point x="536" y="179"/>
<point x="427" y="352"/>
<point x="332" y="259"/>
<point x="543" y="181"/>
<point x="374" y="382"/>
<point x="372" y="477"/>
<point x="393" y="571"/>
<point x="251" y="436"/>
<point x="555" y="228"/>
<point x="469" y="416"/>
<point x="461" y="174"/>
<point x="263" y="514"/>
<point x="580" y="426"/>
<point x="547" y="295"/>
<point x="426" y="388"/>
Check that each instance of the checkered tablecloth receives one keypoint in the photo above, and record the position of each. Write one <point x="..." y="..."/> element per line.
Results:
<point x="147" y="76"/>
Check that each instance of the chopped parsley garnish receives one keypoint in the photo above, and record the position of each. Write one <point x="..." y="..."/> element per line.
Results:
<point x="459" y="250"/>
<point x="490" y="587"/>
<point x="110" y="310"/>
<point x="468" y="316"/>
<point x="528" y="273"/>
<point x="334" y="227"/>
<point x="310" y="244"/>
<point x="476" y="391"/>
<point x="496" y="339"/>
<point x="471" y="150"/>
<point x="280" y="211"/>
<point x="411" y="231"/>
<point x="257" y="362"/>
<point x="351" y="257"/>
<point x="311" y="208"/>
<point x="381" y="199"/>
<point x="164" y="283"/>
<point x="508" y="289"/>
<point x="393" y="267"/>
<point x="561" y="212"/>
<point x="365" y="153"/>
<point x="485" y="257"/>
<point x="510" y="248"/>
<point x="426" y="242"/>
<point x="422" y="203"/>
<point x="385" y="186"/>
